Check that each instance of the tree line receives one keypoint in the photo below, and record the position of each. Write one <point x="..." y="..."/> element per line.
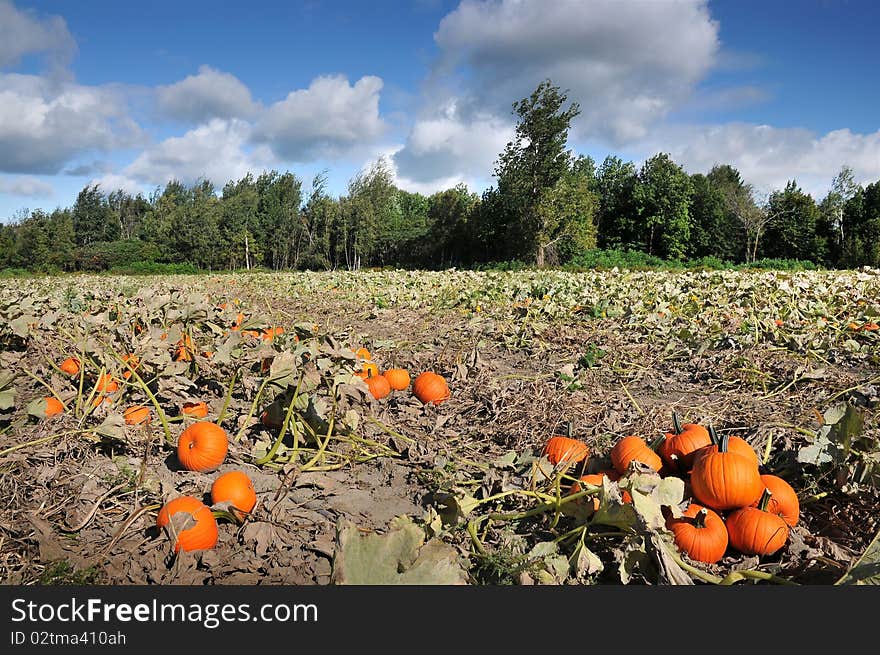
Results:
<point x="549" y="206"/>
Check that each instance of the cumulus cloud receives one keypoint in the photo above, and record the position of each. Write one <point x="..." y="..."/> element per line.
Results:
<point x="627" y="65"/>
<point x="446" y="148"/>
<point x="216" y="151"/>
<point x="27" y="186"/>
<point x="209" y="94"/>
<point x="24" y="33"/>
<point x="768" y="157"/>
<point x="114" y="182"/>
<point x="327" y="119"/>
<point x="44" y="123"/>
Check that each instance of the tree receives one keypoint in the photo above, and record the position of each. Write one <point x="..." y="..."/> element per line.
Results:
<point x="568" y="213"/>
<point x="792" y="235"/>
<point x="662" y="196"/>
<point x="714" y="230"/>
<point x="532" y="164"/>
<point x="93" y="219"/>
<point x="830" y="223"/>
<point x="367" y="215"/>
<point x="861" y="228"/>
<point x="448" y="213"/>
<point x="617" y="216"/>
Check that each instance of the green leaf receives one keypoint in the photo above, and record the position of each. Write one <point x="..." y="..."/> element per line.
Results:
<point x="866" y="570"/>
<point x="398" y="557"/>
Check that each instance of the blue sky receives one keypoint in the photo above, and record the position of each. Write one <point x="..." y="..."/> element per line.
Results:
<point x="129" y="95"/>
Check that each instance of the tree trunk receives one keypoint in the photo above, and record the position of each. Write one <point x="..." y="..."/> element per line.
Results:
<point x="247" y="256"/>
<point x="539" y="257"/>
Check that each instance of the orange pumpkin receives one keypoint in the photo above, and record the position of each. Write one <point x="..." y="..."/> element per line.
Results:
<point x="195" y="409"/>
<point x="202" y="446"/>
<point x="723" y="479"/>
<point x="106" y="384"/>
<point x="363" y="353"/>
<point x="633" y="448"/>
<point x="236" y="488"/>
<point x="429" y="387"/>
<point x="700" y="533"/>
<point x="131" y="360"/>
<point x="398" y="378"/>
<point x="137" y="414"/>
<point x="783" y="500"/>
<point x="683" y="442"/>
<point x="70" y="366"/>
<point x="189" y="523"/>
<point x="378" y="386"/>
<point x="53" y="406"/>
<point x="755" y="531"/>
<point x="563" y="450"/>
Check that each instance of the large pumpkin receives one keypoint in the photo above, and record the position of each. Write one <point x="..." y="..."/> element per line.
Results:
<point x="633" y="448"/>
<point x="756" y="531"/>
<point x="683" y="442"/>
<point x="723" y="479"/>
<point x="236" y="488"/>
<point x="202" y="446"/>
<point x="783" y="500"/>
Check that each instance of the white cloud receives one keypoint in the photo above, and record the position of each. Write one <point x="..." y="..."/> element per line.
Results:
<point x="447" y="148"/>
<point x="210" y="94"/>
<point x="768" y="157"/>
<point x="216" y="151"/>
<point x="328" y="119"/>
<point x="627" y="65"/>
<point x="23" y="33"/>
<point x="114" y="182"/>
<point x="26" y="185"/>
<point x="43" y="123"/>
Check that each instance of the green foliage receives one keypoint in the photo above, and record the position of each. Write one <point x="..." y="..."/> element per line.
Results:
<point x="662" y="196"/>
<point x="62" y="572"/>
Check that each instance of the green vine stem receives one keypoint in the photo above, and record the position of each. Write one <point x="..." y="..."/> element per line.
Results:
<point x="283" y="431"/>
<point x="253" y="409"/>
<point x="228" y="398"/>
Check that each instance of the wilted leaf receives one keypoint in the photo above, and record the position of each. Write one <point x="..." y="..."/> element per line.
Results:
<point x="866" y="570"/>
<point x="400" y="556"/>
<point x="113" y="426"/>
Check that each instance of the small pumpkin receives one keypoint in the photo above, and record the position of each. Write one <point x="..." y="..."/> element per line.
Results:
<point x="632" y="448"/>
<point x="137" y="414"/>
<point x="106" y="384"/>
<point x="270" y="333"/>
<point x="430" y="387"/>
<point x="565" y="449"/>
<point x="236" y="488"/>
<point x="683" y="442"/>
<point x="723" y="479"/>
<point x="378" y="385"/>
<point x="398" y="378"/>
<point x="189" y="523"/>
<point x="783" y="500"/>
<point x="363" y="353"/>
<point x="754" y="530"/>
<point x="368" y="369"/>
<point x="52" y="406"/>
<point x="202" y="446"/>
<point x="70" y="366"/>
<point x="195" y="409"/>
<point x="700" y="533"/>
<point x="596" y="479"/>
<point x="130" y="360"/>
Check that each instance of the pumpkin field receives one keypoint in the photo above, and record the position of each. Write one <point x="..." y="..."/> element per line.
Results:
<point x="451" y="427"/>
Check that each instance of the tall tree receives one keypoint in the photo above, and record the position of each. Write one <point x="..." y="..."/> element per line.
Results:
<point x="792" y="235"/>
<point x="861" y="228"/>
<point x="532" y="164"/>
<point x="93" y="219"/>
<point x="830" y="223"/>
<point x="616" y="182"/>
<point x="662" y="196"/>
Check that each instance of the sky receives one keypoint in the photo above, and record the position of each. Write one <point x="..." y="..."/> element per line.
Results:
<point x="131" y="95"/>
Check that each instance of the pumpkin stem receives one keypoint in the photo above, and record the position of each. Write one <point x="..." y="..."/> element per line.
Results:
<point x="569" y="429"/>
<point x="654" y="445"/>
<point x="676" y="424"/>
<point x="700" y="518"/>
<point x="714" y="436"/>
<point x="765" y="499"/>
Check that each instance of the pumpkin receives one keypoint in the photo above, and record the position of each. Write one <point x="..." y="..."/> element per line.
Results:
<point x="189" y="523"/>
<point x="783" y="500"/>
<point x="98" y="400"/>
<point x="429" y="387"/>
<point x="683" y="442"/>
<point x="378" y="385"/>
<point x="398" y="378"/>
<point x="596" y="479"/>
<point x="195" y="409"/>
<point x="633" y="448"/>
<point x="270" y="333"/>
<point x="202" y="446"/>
<point x="70" y="366"/>
<point x="136" y="414"/>
<point x="130" y="360"/>
<point x="723" y="479"/>
<point x="363" y="353"/>
<point x="564" y="449"/>
<point x="236" y="488"/>
<point x="754" y="530"/>
<point x="700" y="533"/>
<point x="368" y="369"/>
<point x="236" y="324"/>
<point x="106" y="384"/>
<point x="735" y="444"/>
<point x="53" y="406"/>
